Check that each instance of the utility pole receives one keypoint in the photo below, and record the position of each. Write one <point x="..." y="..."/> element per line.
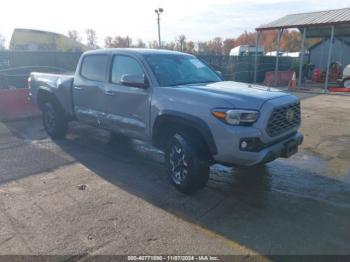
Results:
<point x="158" y="12"/>
<point x="127" y="41"/>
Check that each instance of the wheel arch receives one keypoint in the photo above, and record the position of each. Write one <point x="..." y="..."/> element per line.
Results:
<point x="169" y="121"/>
<point x="45" y="95"/>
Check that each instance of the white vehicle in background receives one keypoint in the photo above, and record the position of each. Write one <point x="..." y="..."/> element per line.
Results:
<point x="274" y="53"/>
<point x="345" y="81"/>
<point x="246" y="50"/>
<point x="287" y="54"/>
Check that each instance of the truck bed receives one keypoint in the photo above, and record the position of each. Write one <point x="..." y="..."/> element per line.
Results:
<point x="60" y="85"/>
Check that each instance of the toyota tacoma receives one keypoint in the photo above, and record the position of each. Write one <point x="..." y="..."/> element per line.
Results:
<point x="175" y="102"/>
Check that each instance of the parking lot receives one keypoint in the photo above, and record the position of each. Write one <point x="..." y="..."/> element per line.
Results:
<point x="84" y="195"/>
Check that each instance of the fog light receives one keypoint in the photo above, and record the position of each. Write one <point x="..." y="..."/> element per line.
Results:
<point x="244" y="144"/>
<point x="251" y="144"/>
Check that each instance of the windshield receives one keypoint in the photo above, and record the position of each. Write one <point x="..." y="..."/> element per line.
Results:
<point x="172" y="70"/>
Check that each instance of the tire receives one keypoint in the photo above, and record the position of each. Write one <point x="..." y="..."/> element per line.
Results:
<point x="346" y="83"/>
<point x="54" y="121"/>
<point x="187" y="166"/>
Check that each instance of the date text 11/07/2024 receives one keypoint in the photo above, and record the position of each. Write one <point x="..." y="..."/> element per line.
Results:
<point x="173" y="258"/>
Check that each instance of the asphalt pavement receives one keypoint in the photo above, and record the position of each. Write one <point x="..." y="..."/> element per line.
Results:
<point x="85" y="195"/>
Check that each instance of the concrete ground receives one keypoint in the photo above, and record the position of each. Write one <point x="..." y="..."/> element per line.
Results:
<point x="83" y="195"/>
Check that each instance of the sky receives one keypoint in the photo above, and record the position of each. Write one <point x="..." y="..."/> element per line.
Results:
<point x="198" y="20"/>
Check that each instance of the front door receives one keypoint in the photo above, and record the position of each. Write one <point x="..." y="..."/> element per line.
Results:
<point x="126" y="108"/>
<point x="88" y="89"/>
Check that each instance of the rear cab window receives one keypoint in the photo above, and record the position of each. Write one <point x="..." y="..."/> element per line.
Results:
<point x="94" y="67"/>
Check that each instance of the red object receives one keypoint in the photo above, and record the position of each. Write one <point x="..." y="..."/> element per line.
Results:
<point x="283" y="78"/>
<point x="339" y="89"/>
<point x="317" y="75"/>
<point x="14" y="104"/>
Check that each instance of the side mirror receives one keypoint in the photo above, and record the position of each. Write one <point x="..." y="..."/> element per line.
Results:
<point x="134" y="81"/>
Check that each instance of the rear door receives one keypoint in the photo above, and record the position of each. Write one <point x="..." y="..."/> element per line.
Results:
<point x="88" y="89"/>
<point x="126" y="108"/>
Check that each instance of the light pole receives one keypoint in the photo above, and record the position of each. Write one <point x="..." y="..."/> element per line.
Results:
<point x="158" y="12"/>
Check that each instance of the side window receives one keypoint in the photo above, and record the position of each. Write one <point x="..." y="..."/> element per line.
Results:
<point x="124" y="65"/>
<point x="94" y="67"/>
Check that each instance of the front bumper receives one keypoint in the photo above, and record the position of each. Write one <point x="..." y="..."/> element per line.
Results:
<point x="285" y="147"/>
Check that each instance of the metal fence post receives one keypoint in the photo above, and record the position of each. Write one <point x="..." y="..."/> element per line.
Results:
<point x="301" y="63"/>
<point x="256" y="56"/>
<point x="277" y="56"/>
<point x="329" y="57"/>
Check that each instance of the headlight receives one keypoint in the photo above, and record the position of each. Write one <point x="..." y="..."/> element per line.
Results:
<point x="236" y="116"/>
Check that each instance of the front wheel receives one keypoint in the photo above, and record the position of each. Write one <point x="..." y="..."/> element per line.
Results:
<point x="54" y="121"/>
<point x="187" y="168"/>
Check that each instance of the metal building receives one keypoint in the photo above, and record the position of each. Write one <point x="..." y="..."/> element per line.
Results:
<point x="323" y="24"/>
<point x="341" y="52"/>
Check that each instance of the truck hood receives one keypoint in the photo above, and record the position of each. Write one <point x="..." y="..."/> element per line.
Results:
<point x="240" y="95"/>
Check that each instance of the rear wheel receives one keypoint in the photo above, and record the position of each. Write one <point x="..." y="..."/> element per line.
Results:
<point x="187" y="166"/>
<point x="54" y="121"/>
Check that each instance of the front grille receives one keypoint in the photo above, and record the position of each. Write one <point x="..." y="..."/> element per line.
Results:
<point x="279" y="121"/>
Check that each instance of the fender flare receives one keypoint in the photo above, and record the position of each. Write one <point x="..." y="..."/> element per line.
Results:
<point x="185" y="119"/>
<point x="43" y="90"/>
<point x="51" y="95"/>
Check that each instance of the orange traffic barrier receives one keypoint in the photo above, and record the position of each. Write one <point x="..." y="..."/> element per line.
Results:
<point x="283" y="78"/>
<point x="14" y="104"/>
<point x="338" y="89"/>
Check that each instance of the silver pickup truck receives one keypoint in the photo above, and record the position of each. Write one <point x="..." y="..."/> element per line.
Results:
<point x="175" y="102"/>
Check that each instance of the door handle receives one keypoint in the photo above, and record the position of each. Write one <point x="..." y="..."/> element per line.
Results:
<point x="110" y="92"/>
<point x="78" y="88"/>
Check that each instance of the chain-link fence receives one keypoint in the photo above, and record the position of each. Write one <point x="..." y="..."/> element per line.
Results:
<point x="15" y="66"/>
<point x="241" y="68"/>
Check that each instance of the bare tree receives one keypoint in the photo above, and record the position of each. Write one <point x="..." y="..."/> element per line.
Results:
<point x="246" y="38"/>
<point x="228" y="44"/>
<point x="74" y="35"/>
<point x="153" y="44"/>
<point x="215" y="46"/>
<point x="140" y="44"/>
<point x="2" y="42"/>
<point x="190" y="47"/>
<point x="109" y="42"/>
<point x="201" y="48"/>
<point x="118" y="42"/>
<point x="91" y="37"/>
<point x="181" y="41"/>
<point x="128" y="41"/>
<point x="170" y="45"/>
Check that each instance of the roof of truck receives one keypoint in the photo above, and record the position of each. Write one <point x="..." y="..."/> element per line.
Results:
<point x="141" y="51"/>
